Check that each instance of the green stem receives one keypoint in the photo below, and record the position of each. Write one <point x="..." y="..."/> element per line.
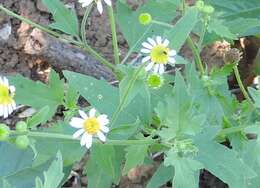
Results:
<point x="191" y="45"/>
<point x="114" y="35"/>
<point x="84" y="23"/>
<point x="124" y="97"/>
<point x="59" y="37"/>
<point x="241" y="86"/>
<point x="202" y="35"/>
<point x="48" y="135"/>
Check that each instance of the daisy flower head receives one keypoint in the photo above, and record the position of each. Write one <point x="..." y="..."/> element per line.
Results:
<point x="158" y="54"/>
<point x="98" y="2"/>
<point x="90" y="126"/>
<point x="7" y="103"/>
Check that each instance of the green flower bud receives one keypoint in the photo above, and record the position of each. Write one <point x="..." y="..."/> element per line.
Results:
<point x="199" y="5"/>
<point x="22" y="142"/>
<point x="155" y="81"/>
<point x="21" y="126"/>
<point x="4" y="132"/>
<point x="208" y="9"/>
<point x="145" y="18"/>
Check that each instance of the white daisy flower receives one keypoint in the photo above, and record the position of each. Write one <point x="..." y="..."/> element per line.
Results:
<point x="157" y="54"/>
<point x="89" y="126"/>
<point x="98" y="2"/>
<point x="7" y="103"/>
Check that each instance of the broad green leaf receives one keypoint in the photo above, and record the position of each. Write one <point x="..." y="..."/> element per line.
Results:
<point x="181" y="30"/>
<point x="255" y="94"/>
<point x="53" y="176"/>
<point x="39" y="117"/>
<point x="5" y="184"/>
<point x="161" y="176"/>
<point x="65" y="20"/>
<point x="38" y="183"/>
<point x="133" y="31"/>
<point x="37" y="94"/>
<point x="97" y="177"/>
<point x="186" y="170"/>
<point x="223" y="162"/>
<point x="135" y="156"/>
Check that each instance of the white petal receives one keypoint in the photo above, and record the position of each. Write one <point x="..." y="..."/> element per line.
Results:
<point x="83" y="140"/>
<point x="172" y="60"/>
<point x="101" y="136"/>
<point x="172" y="53"/>
<point x="161" y="69"/>
<point x="92" y="112"/>
<point x="151" y="41"/>
<point x="13" y="105"/>
<point x="85" y="2"/>
<point x="104" y="129"/>
<point x="77" y="122"/>
<point x="159" y="40"/>
<point x="12" y="89"/>
<point x="156" y="68"/>
<point x="145" y="59"/>
<point x="6" y="83"/>
<point x="5" y="112"/>
<point x="1" y="110"/>
<point x="103" y="119"/>
<point x="149" y="66"/>
<point x="146" y="51"/>
<point x="166" y="42"/>
<point x="147" y="45"/>
<point x="108" y="2"/>
<point x="89" y="140"/>
<point x="10" y="109"/>
<point x="99" y="7"/>
<point x="1" y="80"/>
<point x="78" y="133"/>
<point x="83" y="114"/>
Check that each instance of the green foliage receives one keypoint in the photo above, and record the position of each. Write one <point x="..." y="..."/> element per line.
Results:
<point x="40" y="117"/>
<point x="53" y="176"/>
<point x="65" y="20"/>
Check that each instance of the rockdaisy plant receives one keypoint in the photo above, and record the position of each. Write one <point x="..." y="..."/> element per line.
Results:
<point x="86" y="3"/>
<point x="90" y="126"/>
<point x="157" y="54"/>
<point x="7" y="92"/>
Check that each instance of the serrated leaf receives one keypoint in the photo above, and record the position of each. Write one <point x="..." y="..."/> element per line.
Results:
<point x="181" y="30"/>
<point x="162" y="175"/>
<point x="65" y="20"/>
<point x="186" y="170"/>
<point x="220" y="29"/>
<point x="135" y="156"/>
<point x="37" y="94"/>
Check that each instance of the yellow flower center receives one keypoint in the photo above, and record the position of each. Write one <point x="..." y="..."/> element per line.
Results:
<point x="92" y="125"/>
<point x="160" y="54"/>
<point x="5" y="96"/>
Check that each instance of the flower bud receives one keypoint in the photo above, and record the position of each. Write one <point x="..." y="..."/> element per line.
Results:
<point x="4" y="132"/>
<point x="207" y="9"/>
<point x="199" y="5"/>
<point x="145" y="18"/>
<point x="232" y="56"/>
<point x="21" y="126"/>
<point x="155" y="81"/>
<point x="22" y="142"/>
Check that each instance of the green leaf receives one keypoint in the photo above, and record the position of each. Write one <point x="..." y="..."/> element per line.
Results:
<point x="38" y="183"/>
<point x="133" y="31"/>
<point x="65" y="20"/>
<point x="135" y="156"/>
<point x="53" y="176"/>
<point x="39" y="117"/>
<point x="37" y="94"/>
<point x="223" y="162"/>
<point x="255" y="94"/>
<point x="162" y="175"/>
<point x="71" y="98"/>
<point x="186" y="170"/>
<point x="181" y="30"/>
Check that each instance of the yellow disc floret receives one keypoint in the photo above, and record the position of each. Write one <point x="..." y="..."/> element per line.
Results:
<point x="160" y="54"/>
<point x="5" y="96"/>
<point x="92" y="125"/>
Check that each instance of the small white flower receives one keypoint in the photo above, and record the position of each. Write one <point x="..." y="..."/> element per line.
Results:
<point x="98" y="2"/>
<point x="89" y="126"/>
<point x="157" y="54"/>
<point x="7" y="103"/>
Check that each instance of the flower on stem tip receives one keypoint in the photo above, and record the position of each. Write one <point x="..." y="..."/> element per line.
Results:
<point x="90" y="125"/>
<point x="98" y="2"/>
<point x="157" y="54"/>
<point x="7" y="103"/>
